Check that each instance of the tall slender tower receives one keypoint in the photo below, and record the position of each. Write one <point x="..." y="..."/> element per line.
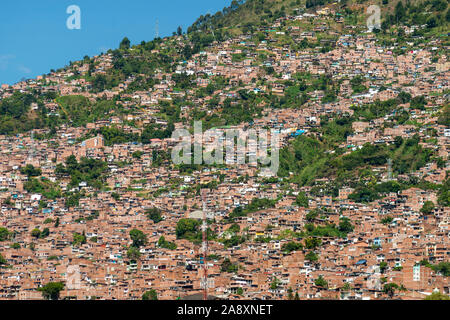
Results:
<point x="204" y="246"/>
<point x="157" y="29"/>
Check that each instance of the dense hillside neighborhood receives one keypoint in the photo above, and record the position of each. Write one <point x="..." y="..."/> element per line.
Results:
<point x="358" y="209"/>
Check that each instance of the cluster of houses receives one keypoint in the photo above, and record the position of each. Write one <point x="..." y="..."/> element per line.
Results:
<point x="375" y="253"/>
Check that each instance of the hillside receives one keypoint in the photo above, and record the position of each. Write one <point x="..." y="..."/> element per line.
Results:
<point x="356" y="202"/>
<point x="242" y="15"/>
<point x="141" y="61"/>
<point x="154" y="86"/>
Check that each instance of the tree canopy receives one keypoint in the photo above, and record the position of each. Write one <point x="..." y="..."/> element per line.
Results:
<point x="51" y="291"/>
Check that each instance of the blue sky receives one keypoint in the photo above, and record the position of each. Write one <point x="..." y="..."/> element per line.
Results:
<point x="34" y="37"/>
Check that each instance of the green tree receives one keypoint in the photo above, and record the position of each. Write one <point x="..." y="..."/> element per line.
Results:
<point x="115" y="196"/>
<point x="437" y="296"/>
<point x="275" y="283"/>
<point x="154" y="214"/>
<point x="45" y="233"/>
<point x="389" y="289"/>
<point x="51" y="290"/>
<point x="99" y="82"/>
<point x="78" y="239"/>
<point x="321" y="282"/>
<point x="125" y="44"/>
<point x="431" y="23"/>
<point x="35" y="233"/>
<point x="346" y="287"/>
<point x="345" y="225"/>
<point x="4" y="234"/>
<point x="443" y="268"/>
<point x="138" y="237"/>
<point x="163" y="243"/>
<point x="2" y="260"/>
<point x="399" y="11"/>
<point x="235" y="228"/>
<point x="30" y="171"/>
<point x="311" y="256"/>
<point x="290" y="294"/>
<point x="291" y="246"/>
<point x="427" y="208"/>
<point x="313" y="214"/>
<point x="228" y="266"/>
<point x="187" y="228"/>
<point x="133" y="253"/>
<point x="387" y="220"/>
<point x="418" y="102"/>
<point x="312" y="243"/>
<point x="150" y="295"/>
<point x="302" y="200"/>
<point x="137" y="154"/>
<point x="8" y="202"/>
<point x="15" y="245"/>
<point x="444" y="117"/>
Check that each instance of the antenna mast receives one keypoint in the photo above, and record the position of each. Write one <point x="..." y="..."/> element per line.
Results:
<point x="204" y="247"/>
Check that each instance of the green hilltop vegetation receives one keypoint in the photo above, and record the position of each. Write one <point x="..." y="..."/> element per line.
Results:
<point x="242" y="16"/>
